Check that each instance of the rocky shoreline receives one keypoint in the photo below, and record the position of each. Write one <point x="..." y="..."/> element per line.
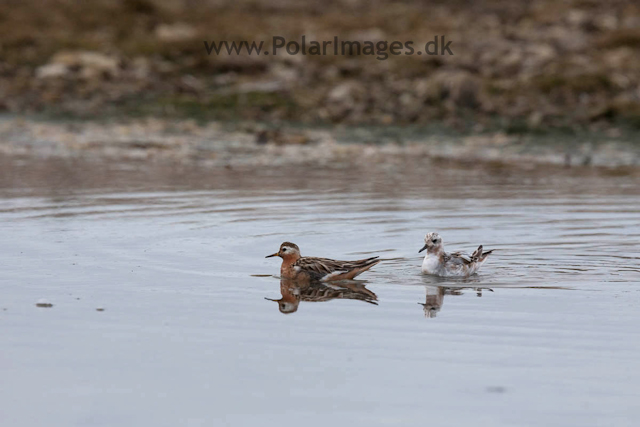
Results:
<point x="517" y="66"/>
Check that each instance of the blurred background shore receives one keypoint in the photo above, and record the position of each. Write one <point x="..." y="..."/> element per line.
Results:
<point x="540" y="68"/>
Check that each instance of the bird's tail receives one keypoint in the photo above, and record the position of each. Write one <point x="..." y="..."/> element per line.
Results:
<point x="368" y="262"/>
<point x="482" y="255"/>
<point x="361" y="266"/>
<point x="479" y="255"/>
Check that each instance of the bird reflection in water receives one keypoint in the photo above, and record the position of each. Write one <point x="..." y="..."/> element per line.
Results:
<point x="435" y="297"/>
<point x="295" y="291"/>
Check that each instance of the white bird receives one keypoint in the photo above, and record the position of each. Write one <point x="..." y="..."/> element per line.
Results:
<point x="455" y="264"/>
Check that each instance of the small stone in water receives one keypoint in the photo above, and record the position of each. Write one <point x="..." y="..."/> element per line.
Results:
<point x="99" y="309"/>
<point x="43" y="303"/>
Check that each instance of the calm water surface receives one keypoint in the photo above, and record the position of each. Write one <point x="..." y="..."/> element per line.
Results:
<point x="547" y="334"/>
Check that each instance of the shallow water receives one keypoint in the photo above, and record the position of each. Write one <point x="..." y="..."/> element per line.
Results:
<point x="547" y="334"/>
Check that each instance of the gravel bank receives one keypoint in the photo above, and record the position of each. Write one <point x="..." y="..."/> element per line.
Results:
<point x="215" y="145"/>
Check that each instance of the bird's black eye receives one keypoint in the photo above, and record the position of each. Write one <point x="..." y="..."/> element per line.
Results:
<point x="435" y="240"/>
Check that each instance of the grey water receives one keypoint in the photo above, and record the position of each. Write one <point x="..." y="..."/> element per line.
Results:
<point x="164" y="314"/>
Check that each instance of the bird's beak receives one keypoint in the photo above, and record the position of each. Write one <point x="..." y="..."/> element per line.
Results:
<point x="276" y="254"/>
<point x="423" y="248"/>
<point x="269" y="299"/>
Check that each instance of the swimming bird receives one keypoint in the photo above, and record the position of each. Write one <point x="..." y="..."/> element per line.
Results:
<point x="296" y="267"/>
<point x="455" y="264"/>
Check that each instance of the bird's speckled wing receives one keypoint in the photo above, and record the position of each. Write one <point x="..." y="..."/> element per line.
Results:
<point x="461" y="258"/>
<point x="322" y="267"/>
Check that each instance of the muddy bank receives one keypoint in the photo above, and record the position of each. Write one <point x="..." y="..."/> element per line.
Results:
<point x="219" y="144"/>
